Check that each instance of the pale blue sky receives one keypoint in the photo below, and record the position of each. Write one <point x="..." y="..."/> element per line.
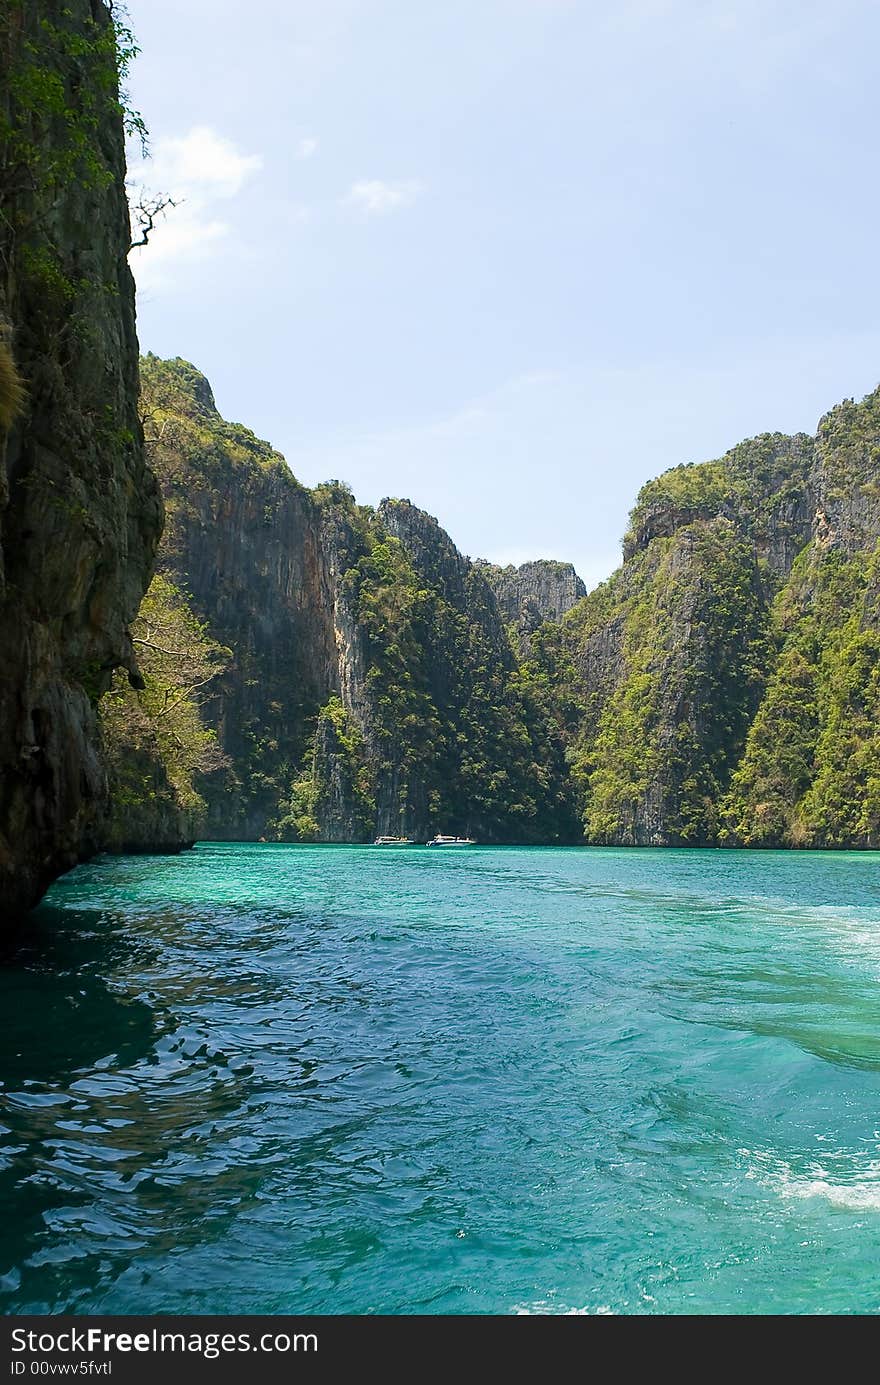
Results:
<point x="511" y="258"/>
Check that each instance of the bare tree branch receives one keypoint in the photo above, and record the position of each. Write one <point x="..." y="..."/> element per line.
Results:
<point x="187" y="691"/>
<point x="160" y="649"/>
<point x="146" y="211"/>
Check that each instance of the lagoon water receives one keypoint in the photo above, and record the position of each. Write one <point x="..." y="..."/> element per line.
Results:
<point x="260" y="1079"/>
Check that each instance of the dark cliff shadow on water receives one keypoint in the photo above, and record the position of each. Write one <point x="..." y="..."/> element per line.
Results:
<point x="61" y="1018"/>
<point x="120" y="1112"/>
<point x="60" y="1013"/>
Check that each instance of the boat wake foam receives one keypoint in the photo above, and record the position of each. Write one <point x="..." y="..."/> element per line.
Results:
<point x="852" y="1184"/>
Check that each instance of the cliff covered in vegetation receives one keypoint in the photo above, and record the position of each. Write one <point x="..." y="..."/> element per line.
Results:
<point x="726" y="676"/>
<point x="534" y="592"/>
<point x="80" y="513"/>
<point x="245" y="542"/>
<point x="720" y="689"/>
<point x="373" y="686"/>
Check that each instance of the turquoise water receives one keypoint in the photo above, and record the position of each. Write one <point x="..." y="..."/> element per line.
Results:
<point x="303" y="1079"/>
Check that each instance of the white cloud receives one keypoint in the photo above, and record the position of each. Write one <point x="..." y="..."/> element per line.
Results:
<point x="202" y="160"/>
<point x="307" y="147"/>
<point x="374" y="197"/>
<point x="196" y="171"/>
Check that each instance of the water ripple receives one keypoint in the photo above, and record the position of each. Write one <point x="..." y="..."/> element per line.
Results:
<point x="270" y="1079"/>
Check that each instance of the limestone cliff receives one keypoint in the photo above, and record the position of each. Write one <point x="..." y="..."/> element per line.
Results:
<point x="720" y="688"/>
<point x="248" y="543"/>
<point x="373" y="687"/>
<point x="80" y="513"/>
<point x="534" y="592"/>
<point x="810" y="773"/>
<point x="466" y="728"/>
<point x="715" y="670"/>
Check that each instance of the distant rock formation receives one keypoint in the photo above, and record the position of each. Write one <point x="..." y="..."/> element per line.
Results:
<point x="534" y="592"/>
<point x="720" y="688"/>
<point x="374" y="687"/>
<point x="728" y="675"/>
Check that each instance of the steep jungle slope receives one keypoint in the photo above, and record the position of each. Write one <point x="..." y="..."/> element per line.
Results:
<point x="720" y="688"/>
<point x="460" y="737"/>
<point x="810" y="774"/>
<point x="726" y="675"/>
<point x="373" y="686"/>
<point x="246" y="542"/>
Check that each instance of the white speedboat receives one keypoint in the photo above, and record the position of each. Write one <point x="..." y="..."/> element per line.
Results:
<point x="440" y="840"/>
<point x="393" y="841"/>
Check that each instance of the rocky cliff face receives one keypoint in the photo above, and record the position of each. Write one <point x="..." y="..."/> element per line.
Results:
<point x="249" y="544"/>
<point x="485" y="749"/>
<point x="810" y="773"/>
<point x="374" y="688"/>
<point x="708" y="671"/>
<point x="534" y="592"/>
<point x="148" y="817"/>
<point x="721" y="687"/>
<point x="80" y="513"/>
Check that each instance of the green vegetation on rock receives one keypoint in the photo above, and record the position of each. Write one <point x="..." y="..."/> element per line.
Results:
<point x="12" y="391"/>
<point x="373" y="685"/>
<point x="692" y="651"/>
<point x="157" y="743"/>
<point x="65" y="73"/>
<point x="810" y="775"/>
<point x="720" y="689"/>
<point x="727" y="674"/>
<point x="336" y="767"/>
